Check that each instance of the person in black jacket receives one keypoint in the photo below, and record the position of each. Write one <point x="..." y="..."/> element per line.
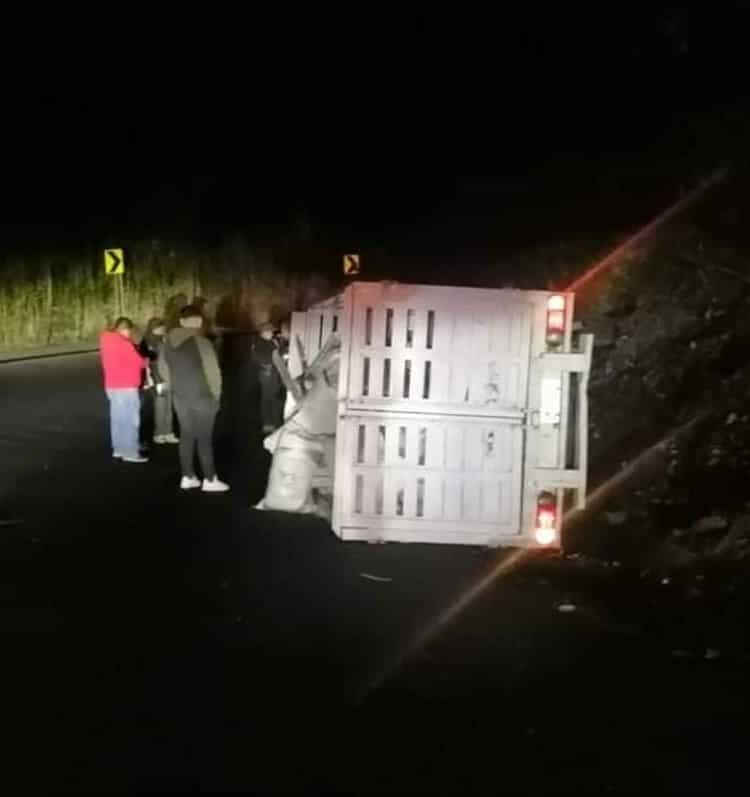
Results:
<point x="189" y="367"/>
<point x="153" y="340"/>
<point x="271" y="408"/>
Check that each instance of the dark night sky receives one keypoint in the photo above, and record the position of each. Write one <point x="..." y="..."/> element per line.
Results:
<point x="381" y="124"/>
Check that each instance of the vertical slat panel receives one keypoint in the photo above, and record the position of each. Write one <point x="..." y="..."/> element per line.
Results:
<point x="378" y="490"/>
<point x="442" y="330"/>
<point x="371" y="444"/>
<point x="454" y="448"/>
<point x="481" y="333"/>
<point x="501" y="331"/>
<point x="386" y="386"/>
<point x="376" y="376"/>
<point x="400" y="496"/>
<point x="355" y="374"/>
<point x="417" y="379"/>
<point x="409" y="480"/>
<point x="412" y="443"/>
<point x="390" y="485"/>
<point x="507" y="438"/>
<point x="460" y="376"/>
<point x="511" y="392"/>
<point x="516" y="324"/>
<point x="358" y="492"/>
<point x="329" y="322"/>
<point x="422" y="434"/>
<point x="421" y="497"/>
<point x="474" y="457"/>
<point x="399" y="329"/>
<point x="462" y="364"/>
<point x="360" y="324"/>
<point x="420" y="331"/>
<point x="298" y="330"/>
<point x="397" y="374"/>
<point x="440" y="379"/>
<point x="491" y="496"/>
<point x="492" y="440"/>
<point x="371" y="479"/>
<point x="463" y="333"/>
<point x="392" y="434"/>
<point x="382" y="431"/>
<point x="358" y="457"/>
<point x="433" y="496"/>
<point x="378" y="327"/>
<point x="505" y="509"/>
<point x="435" y="447"/>
<point x="479" y="379"/>
<point x="471" y="499"/>
<point x="453" y="487"/>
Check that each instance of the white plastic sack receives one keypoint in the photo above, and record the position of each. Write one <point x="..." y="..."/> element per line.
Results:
<point x="295" y="461"/>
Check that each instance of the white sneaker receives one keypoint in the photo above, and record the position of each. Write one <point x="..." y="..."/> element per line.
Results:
<point x="160" y="438"/>
<point x="170" y="438"/>
<point x="214" y="486"/>
<point x="116" y="455"/>
<point x="139" y="458"/>
<point x="190" y="483"/>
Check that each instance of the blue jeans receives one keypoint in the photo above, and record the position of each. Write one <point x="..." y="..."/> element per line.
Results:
<point x="125" y="420"/>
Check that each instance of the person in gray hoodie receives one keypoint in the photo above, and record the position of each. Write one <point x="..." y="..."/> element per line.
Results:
<point x="189" y="368"/>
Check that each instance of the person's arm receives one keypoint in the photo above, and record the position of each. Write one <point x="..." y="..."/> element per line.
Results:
<point x="163" y="367"/>
<point x="211" y="368"/>
<point x="134" y="355"/>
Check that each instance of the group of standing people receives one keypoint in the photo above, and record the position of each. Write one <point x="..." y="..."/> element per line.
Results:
<point x="181" y="366"/>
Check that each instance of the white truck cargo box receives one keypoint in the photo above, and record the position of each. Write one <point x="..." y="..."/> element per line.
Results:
<point x="462" y="413"/>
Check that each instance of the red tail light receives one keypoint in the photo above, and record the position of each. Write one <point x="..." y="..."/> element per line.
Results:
<point x="545" y="532"/>
<point x="555" y="320"/>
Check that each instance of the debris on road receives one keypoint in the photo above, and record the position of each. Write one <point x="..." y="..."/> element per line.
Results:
<point x="708" y="524"/>
<point x="371" y="577"/>
<point x="736" y="538"/>
<point x="566" y="608"/>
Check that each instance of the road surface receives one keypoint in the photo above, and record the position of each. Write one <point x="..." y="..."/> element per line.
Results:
<point x="157" y="640"/>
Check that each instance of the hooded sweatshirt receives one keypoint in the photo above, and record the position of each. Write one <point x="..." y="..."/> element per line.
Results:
<point x="121" y="363"/>
<point x="188" y="365"/>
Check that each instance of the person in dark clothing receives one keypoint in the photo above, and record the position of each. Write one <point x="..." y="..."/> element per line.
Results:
<point x="271" y="409"/>
<point x="188" y="365"/>
<point x="238" y="438"/>
<point x="153" y="340"/>
<point x="282" y="338"/>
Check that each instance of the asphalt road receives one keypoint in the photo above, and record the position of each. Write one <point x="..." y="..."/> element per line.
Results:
<point x="155" y="640"/>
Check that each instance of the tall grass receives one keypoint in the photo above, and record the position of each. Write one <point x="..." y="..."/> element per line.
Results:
<point x="62" y="298"/>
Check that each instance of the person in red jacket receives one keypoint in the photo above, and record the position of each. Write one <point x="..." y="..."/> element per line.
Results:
<point x="123" y="373"/>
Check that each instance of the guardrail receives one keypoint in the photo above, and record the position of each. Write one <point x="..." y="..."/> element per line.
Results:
<point x="7" y="359"/>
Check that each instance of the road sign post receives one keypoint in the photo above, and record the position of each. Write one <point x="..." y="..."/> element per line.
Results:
<point x="114" y="266"/>
<point x="351" y="265"/>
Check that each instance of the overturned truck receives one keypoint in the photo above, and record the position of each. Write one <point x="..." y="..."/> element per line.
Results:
<point x="422" y="413"/>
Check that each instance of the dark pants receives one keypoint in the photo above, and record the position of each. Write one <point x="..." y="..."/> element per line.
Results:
<point x="196" y="430"/>
<point x="162" y="414"/>
<point x="271" y="409"/>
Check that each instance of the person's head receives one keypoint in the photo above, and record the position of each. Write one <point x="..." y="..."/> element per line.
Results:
<point x="190" y="317"/>
<point x="156" y="327"/>
<point x="284" y="330"/>
<point x="124" y="326"/>
<point x="266" y="331"/>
